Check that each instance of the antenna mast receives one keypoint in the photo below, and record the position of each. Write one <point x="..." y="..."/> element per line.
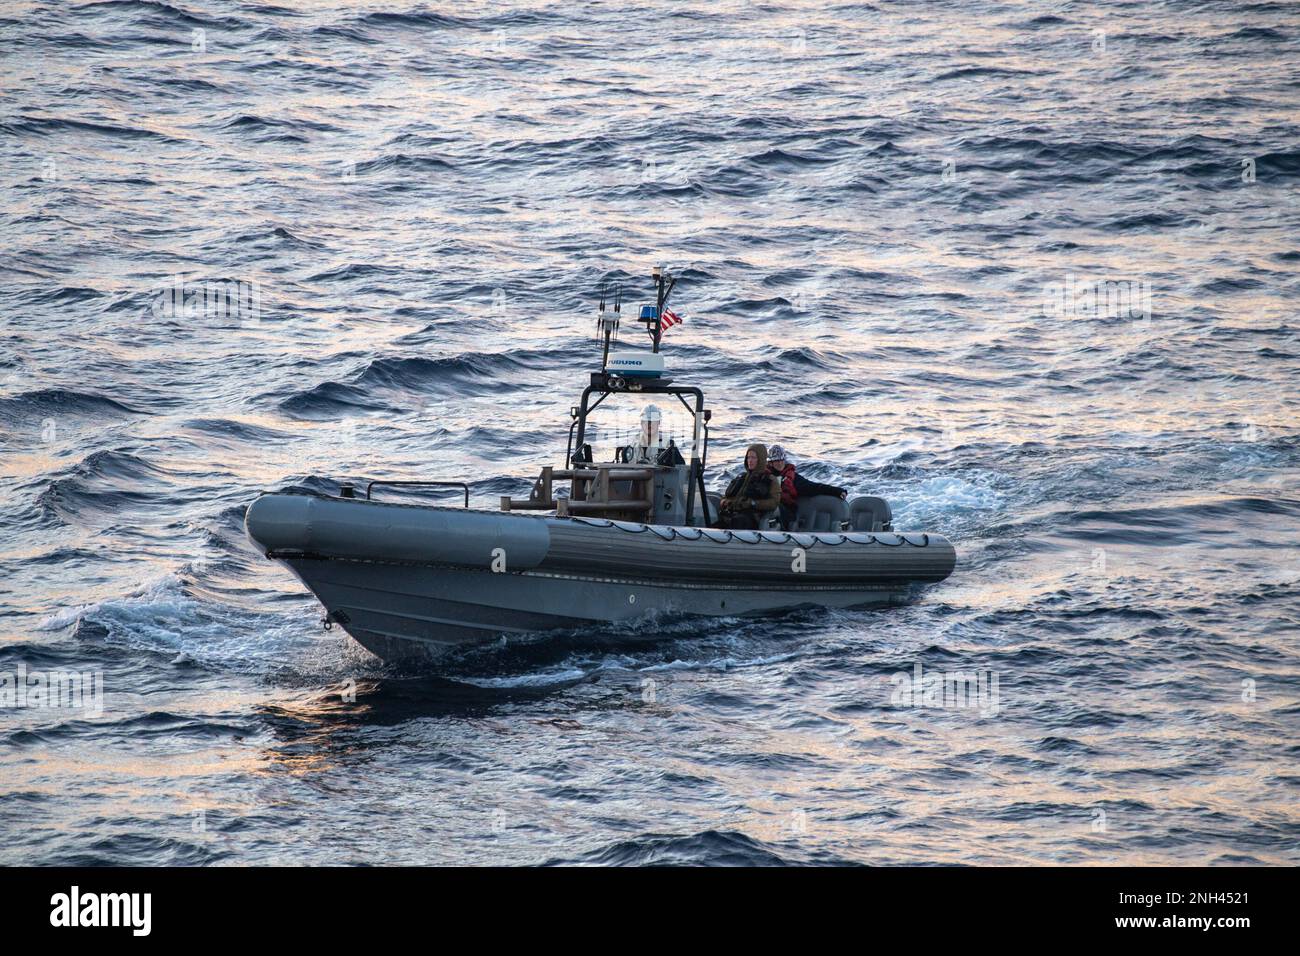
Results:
<point x="664" y="283"/>
<point x="607" y="322"/>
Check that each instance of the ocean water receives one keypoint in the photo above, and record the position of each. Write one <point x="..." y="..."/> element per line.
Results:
<point x="1030" y="270"/>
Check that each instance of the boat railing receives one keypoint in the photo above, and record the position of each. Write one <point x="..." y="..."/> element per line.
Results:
<point x="592" y="490"/>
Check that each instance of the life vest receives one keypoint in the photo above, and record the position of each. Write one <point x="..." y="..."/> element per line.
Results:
<point x="789" y="493"/>
<point x="750" y="485"/>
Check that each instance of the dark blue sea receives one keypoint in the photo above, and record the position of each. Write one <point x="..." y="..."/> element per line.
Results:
<point x="1029" y="270"/>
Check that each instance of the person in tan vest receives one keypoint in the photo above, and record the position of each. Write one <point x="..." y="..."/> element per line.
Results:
<point x="752" y="494"/>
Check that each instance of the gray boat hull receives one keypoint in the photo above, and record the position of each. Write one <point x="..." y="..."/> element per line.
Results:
<point x="415" y="581"/>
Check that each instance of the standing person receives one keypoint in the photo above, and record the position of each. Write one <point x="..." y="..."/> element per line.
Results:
<point x="793" y="485"/>
<point x="752" y="494"/>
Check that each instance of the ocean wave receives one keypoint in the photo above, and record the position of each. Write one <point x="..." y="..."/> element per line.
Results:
<point x="405" y="163"/>
<point x="330" y="399"/>
<point x="981" y="72"/>
<point x="103" y="485"/>
<point x="476" y="373"/>
<point x="237" y="430"/>
<point x="154" y="12"/>
<point x="65" y="402"/>
<point x="163" y="617"/>
<point x="708" y="848"/>
<point x="54" y="125"/>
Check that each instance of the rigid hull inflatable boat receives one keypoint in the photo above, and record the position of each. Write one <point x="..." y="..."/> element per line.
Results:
<point x="406" y="579"/>
<point x="631" y="538"/>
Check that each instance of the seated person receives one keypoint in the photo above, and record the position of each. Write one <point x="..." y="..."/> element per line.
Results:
<point x="793" y="485"/>
<point x="750" y="495"/>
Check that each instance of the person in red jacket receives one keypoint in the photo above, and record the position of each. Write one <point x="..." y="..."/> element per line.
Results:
<point x="793" y="485"/>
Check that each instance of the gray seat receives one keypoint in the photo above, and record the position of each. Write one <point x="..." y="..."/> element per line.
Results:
<point x="766" y="521"/>
<point x="821" y="513"/>
<point x="715" y="502"/>
<point x="870" y="514"/>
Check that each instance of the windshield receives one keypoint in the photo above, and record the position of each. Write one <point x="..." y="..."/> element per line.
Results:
<point x="630" y="428"/>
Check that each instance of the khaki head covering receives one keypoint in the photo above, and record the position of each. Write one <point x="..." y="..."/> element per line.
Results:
<point x="758" y="472"/>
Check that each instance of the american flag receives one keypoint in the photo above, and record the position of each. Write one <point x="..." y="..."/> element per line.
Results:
<point x="670" y="318"/>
